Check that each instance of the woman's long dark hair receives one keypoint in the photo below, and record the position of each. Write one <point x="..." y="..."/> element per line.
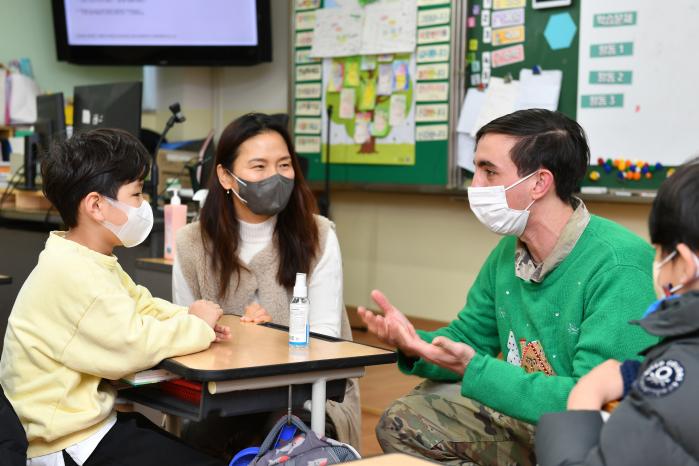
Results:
<point x="296" y="232"/>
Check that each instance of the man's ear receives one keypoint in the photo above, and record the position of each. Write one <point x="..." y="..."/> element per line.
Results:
<point x="544" y="183"/>
<point x="92" y="206"/>
<point x="687" y="263"/>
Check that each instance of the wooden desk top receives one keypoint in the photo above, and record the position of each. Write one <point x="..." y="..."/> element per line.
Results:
<point x="5" y="279"/>
<point x="260" y="350"/>
<point x="394" y="459"/>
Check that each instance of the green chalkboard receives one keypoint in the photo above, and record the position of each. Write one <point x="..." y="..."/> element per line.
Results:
<point x="536" y="50"/>
<point x="431" y="166"/>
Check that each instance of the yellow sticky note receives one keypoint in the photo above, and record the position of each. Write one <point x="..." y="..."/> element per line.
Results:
<point x="473" y="45"/>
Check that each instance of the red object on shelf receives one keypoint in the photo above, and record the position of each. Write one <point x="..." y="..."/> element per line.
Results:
<point x="183" y="389"/>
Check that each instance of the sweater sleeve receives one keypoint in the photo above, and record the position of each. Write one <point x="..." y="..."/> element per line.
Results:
<point x="113" y="338"/>
<point x="325" y="290"/>
<point x="604" y="334"/>
<point x="475" y="325"/>
<point x="181" y="294"/>
<point x="148" y="305"/>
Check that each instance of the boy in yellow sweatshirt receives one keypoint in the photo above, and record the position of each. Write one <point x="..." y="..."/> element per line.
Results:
<point x="80" y="321"/>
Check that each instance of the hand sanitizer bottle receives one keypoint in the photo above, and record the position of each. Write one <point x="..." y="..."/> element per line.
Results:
<point x="298" y="313"/>
<point x="175" y="218"/>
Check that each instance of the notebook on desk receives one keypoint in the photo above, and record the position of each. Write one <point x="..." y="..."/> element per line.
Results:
<point x="149" y="376"/>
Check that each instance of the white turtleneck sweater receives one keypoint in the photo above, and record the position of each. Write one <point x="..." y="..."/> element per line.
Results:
<point x="324" y="289"/>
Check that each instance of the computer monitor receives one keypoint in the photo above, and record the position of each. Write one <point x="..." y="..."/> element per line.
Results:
<point x="50" y="119"/>
<point x="50" y="126"/>
<point x="116" y="105"/>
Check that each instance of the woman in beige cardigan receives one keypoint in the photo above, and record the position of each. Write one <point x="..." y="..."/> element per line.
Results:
<point x="256" y="230"/>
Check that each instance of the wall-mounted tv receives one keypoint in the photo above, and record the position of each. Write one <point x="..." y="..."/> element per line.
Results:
<point x="163" y="32"/>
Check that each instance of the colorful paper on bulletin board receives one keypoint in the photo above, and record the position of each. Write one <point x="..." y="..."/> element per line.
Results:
<point x="307" y="144"/>
<point x="507" y="36"/>
<point x="433" y="35"/>
<point x="401" y="76"/>
<point x="433" y="72"/>
<point x="337" y="75"/>
<point x="387" y="133"/>
<point x="308" y="107"/>
<point x="508" y="55"/>
<point x="432" y="53"/>
<point x="389" y="28"/>
<point x="379" y="126"/>
<point x="361" y="127"/>
<point x="308" y="72"/>
<point x="367" y="95"/>
<point x="305" y="20"/>
<point x="347" y="101"/>
<point x="304" y="56"/>
<point x="398" y="106"/>
<point x="385" y="80"/>
<point x="507" y="18"/>
<point x="505" y="4"/>
<point x="368" y="62"/>
<point x="338" y="32"/>
<point x="352" y="70"/>
<point x="306" y="4"/>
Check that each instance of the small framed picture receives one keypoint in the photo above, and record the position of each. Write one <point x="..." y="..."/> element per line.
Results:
<point x="541" y="4"/>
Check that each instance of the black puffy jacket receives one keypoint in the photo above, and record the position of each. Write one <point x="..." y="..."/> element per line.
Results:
<point x="658" y="421"/>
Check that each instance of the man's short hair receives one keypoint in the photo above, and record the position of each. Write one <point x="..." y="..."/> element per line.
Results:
<point x="673" y="217"/>
<point x="101" y="160"/>
<point x="547" y="140"/>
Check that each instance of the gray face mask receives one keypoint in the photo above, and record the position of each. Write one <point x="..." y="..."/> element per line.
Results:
<point x="266" y="197"/>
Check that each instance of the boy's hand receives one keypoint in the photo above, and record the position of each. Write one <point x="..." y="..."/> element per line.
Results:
<point x="223" y="332"/>
<point x="256" y="314"/>
<point x="598" y="387"/>
<point x="207" y="311"/>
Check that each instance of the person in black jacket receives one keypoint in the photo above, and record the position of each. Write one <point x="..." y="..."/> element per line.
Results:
<point x="13" y="440"/>
<point x="658" y="418"/>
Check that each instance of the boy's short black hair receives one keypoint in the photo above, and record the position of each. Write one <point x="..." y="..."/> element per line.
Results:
<point x="101" y="160"/>
<point x="674" y="217"/>
<point x="547" y="140"/>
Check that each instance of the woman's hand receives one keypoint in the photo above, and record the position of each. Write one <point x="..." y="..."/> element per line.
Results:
<point x="255" y="314"/>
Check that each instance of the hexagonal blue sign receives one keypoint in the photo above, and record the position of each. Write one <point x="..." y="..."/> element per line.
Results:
<point x="560" y="31"/>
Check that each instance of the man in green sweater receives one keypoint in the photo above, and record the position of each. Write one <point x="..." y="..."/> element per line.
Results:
<point x="553" y="298"/>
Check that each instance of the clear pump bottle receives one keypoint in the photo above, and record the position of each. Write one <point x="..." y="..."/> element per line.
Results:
<point x="298" y="313"/>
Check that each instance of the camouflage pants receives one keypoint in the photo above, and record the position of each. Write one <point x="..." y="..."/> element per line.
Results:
<point x="435" y="422"/>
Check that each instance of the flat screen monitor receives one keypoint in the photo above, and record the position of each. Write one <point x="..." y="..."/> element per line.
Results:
<point x="116" y="105"/>
<point x="50" y="119"/>
<point x="50" y="126"/>
<point x="163" y="32"/>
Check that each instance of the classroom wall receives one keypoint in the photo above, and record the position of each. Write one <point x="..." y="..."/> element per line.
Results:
<point x="213" y="97"/>
<point x="26" y="30"/>
<point x="424" y="251"/>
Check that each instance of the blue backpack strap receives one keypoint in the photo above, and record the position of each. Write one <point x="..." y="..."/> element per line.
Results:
<point x="275" y="433"/>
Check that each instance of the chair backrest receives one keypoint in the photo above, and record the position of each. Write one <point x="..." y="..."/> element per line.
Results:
<point x="13" y="440"/>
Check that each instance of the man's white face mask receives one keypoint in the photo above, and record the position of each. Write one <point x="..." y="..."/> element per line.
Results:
<point x="489" y="204"/>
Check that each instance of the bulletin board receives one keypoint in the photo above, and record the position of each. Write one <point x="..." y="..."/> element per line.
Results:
<point x="625" y="81"/>
<point x="410" y="151"/>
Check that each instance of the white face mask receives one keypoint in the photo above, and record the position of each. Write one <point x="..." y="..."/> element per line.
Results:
<point x="663" y="292"/>
<point x="489" y="205"/>
<point x="138" y="225"/>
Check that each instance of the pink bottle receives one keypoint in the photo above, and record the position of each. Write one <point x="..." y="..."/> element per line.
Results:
<point x="175" y="218"/>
